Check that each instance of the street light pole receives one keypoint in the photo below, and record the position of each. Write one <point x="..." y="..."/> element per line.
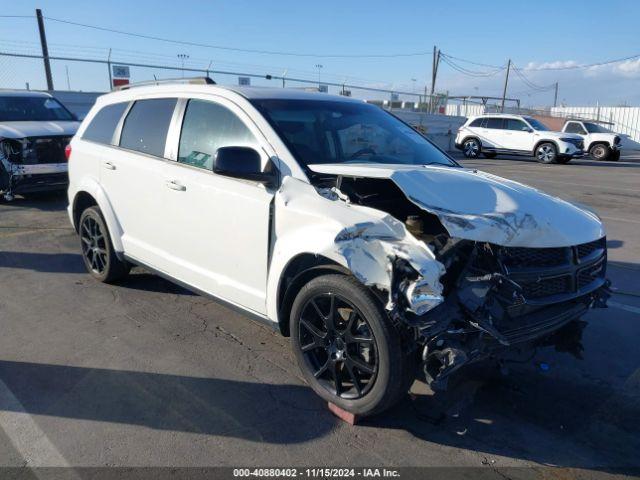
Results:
<point x="182" y="57"/>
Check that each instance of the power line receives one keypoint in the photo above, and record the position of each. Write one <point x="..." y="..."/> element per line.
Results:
<point x="475" y="63"/>
<point x="236" y="49"/>
<point x="577" y="67"/>
<point x="468" y="72"/>
<point x="529" y="83"/>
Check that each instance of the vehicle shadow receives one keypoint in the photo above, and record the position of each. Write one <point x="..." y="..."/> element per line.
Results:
<point x="576" y="162"/>
<point x="280" y="414"/>
<point x="43" y="262"/>
<point x="45" y="201"/>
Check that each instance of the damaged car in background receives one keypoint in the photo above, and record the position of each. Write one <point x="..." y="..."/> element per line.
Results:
<point x="35" y="129"/>
<point x="381" y="257"/>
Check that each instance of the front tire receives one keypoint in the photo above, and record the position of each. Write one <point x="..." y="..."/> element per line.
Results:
<point x="98" y="253"/>
<point x="600" y="152"/>
<point x="471" y="148"/>
<point x="346" y="346"/>
<point x="546" y="153"/>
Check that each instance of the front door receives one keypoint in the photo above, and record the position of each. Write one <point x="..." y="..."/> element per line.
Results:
<point x="518" y="135"/>
<point x="217" y="227"/>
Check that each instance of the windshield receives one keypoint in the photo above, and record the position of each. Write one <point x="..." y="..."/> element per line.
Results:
<point x="536" y="125"/>
<point x="595" y="128"/>
<point x="22" y="109"/>
<point x="318" y="131"/>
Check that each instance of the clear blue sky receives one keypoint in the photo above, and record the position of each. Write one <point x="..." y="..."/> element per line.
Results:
<point x="530" y="33"/>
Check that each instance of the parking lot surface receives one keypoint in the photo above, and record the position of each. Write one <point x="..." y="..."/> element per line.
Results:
<point x="145" y="373"/>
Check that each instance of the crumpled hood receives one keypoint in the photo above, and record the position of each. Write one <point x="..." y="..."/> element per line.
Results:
<point x="37" y="129"/>
<point x="479" y="206"/>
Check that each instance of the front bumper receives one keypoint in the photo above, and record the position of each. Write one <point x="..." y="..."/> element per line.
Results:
<point x="534" y="294"/>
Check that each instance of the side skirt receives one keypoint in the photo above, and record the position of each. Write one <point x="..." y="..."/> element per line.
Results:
<point x="256" y="317"/>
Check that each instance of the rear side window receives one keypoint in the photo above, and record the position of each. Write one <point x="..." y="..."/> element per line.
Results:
<point x="206" y="127"/>
<point x="476" y="123"/>
<point x="494" y="123"/>
<point x="146" y="126"/>
<point x="104" y="124"/>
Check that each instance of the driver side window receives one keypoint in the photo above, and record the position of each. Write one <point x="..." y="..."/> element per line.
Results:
<point x="206" y="127"/>
<point x="574" y="127"/>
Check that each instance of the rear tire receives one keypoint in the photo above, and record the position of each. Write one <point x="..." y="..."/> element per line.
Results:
<point x="471" y="148"/>
<point x="98" y="253"/>
<point x="546" y="153"/>
<point x="334" y="317"/>
<point x="600" y="152"/>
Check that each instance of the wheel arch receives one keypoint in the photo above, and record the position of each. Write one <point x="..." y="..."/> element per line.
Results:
<point x="472" y="137"/>
<point x="540" y="142"/>
<point x="598" y="142"/>
<point x="299" y="271"/>
<point x="90" y="193"/>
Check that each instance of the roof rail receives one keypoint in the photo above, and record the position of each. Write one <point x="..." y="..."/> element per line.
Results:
<point x="164" y="81"/>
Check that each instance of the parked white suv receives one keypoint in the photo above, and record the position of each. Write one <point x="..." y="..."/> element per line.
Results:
<point x="600" y="142"/>
<point x="494" y="134"/>
<point x="336" y="223"/>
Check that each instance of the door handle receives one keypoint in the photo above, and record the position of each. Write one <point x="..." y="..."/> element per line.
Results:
<point x="108" y="165"/>
<point x="173" y="185"/>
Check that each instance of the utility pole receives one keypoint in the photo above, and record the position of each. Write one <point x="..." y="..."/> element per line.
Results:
<point x="109" y="68"/>
<point x="506" y="82"/>
<point x="66" y="69"/>
<point x="319" y="66"/>
<point x="45" y="49"/>
<point x="434" y="74"/>
<point x="555" y="96"/>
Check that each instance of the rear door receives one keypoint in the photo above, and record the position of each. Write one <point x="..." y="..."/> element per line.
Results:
<point x="133" y="177"/>
<point x="491" y="133"/>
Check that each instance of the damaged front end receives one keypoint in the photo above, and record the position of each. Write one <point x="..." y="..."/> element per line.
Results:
<point x="32" y="164"/>
<point x="464" y="299"/>
<point x="500" y="298"/>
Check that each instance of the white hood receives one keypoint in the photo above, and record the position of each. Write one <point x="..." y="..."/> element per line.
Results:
<point x="552" y="134"/>
<point x="479" y="206"/>
<point x="37" y="129"/>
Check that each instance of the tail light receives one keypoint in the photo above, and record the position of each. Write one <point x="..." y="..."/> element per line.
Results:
<point x="67" y="151"/>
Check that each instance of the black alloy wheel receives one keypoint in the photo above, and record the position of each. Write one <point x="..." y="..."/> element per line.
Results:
<point x="94" y="246"/>
<point x="338" y="346"/>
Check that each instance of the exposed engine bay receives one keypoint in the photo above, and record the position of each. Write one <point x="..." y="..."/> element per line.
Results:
<point x="32" y="164"/>
<point x="496" y="298"/>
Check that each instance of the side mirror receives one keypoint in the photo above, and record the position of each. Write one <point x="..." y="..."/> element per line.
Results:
<point x="245" y="163"/>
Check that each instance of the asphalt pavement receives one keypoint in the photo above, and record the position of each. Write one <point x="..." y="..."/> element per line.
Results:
<point x="145" y="373"/>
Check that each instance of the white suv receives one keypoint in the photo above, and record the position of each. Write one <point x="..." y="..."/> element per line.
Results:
<point x="516" y="135"/>
<point x="334" y="222"/>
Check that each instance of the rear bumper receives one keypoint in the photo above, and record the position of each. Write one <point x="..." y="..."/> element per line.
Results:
<point x="20" y="178"/>
<point x="47" y="182"/>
